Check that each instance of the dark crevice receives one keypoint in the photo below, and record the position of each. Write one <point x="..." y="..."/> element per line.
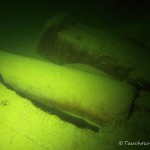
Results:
<point x="79" y="122"/>
<point x="136" y="95"/>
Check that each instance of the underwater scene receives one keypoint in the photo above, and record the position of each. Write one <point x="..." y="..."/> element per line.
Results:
<point x="75" y="75"/>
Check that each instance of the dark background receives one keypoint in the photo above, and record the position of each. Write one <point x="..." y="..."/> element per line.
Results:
<point x="22" y="21"/>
